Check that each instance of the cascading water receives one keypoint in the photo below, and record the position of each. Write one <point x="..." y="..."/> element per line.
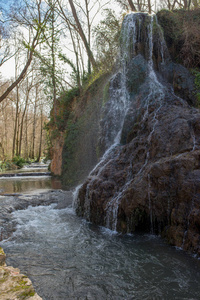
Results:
<point x="133" y="32"/>
<point x="131" y="188"/>
<point x="134" y="184"/>
<point x="156" y="93"/>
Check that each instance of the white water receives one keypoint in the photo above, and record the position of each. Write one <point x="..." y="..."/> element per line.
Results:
<point x="68" y="258"/>
<point x="118" y="108"/>
<point x="155" y="96"/>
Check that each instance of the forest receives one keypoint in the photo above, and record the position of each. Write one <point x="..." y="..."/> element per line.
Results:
<point x="51" y="51"/>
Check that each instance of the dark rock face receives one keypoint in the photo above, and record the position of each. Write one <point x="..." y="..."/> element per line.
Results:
<point x="151" y="180"/>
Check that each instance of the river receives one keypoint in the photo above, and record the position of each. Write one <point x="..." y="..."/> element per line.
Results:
<point x="69" y="258"/>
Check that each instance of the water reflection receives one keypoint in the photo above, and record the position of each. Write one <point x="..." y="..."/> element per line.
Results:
<point x="19" y="185"/>
<point x="25" y="184"/>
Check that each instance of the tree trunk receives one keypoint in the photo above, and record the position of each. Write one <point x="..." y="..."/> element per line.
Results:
<point x="41" y="132"/>
<point x="77" y="60"/>
<point x="26" y="138"/>
<point x="53" y="71"/>
<point x="149" y="6"/>
<point x="23" y="73"/>
<point x="89" y="33"/>
<point x="16" y="122"/>
<point x="17" y="136"/>
<point x="132" y="6"/>
<point x="139" y="5"/>
<point x="22" y="126"/>
<point x="82" y="35"/>
<point x="34" y="125"/>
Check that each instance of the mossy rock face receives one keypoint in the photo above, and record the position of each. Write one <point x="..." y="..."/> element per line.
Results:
<point x="14" y="285"/>
<point x="2" y="257"/>
<point x="80" y="150"/>
<point x="172" y="28"/>
<point x="181" y="33"/>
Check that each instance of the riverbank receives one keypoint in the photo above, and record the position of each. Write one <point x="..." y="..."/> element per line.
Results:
<point x="13" y="284"/>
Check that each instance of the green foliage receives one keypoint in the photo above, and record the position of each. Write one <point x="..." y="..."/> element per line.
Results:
<point x="106" y="93"/>
<point x="182" y="35"/>
<point x="19" y="161"/>
<point x="67" y="97"/>
<point x="172" y="27"/>
<point x="16" y="163"/>
<point x="5" y="165"/>
<point x="81" y="134"/>
<point x="107" y="35"/>
<point x="65" y="107"/>
<point x="69" y="149"/>
<point x="197" y="85"/>
<point x="75" y="76"/>
<point x="91" y="78"/>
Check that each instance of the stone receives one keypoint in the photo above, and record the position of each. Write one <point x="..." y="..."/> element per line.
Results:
<point x="13" y="284"/>
<point x="150" y="182"/>
<point x="2" y="257"/>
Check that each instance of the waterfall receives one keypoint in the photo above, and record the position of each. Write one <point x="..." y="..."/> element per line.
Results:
<point x="136" y="40"/>
<point x="117" y="106"/>
<point x="156" y="94"/>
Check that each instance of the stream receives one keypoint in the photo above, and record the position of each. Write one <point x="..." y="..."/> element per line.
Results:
<point x="30" y="178"/>
<point x="69" y="258"/>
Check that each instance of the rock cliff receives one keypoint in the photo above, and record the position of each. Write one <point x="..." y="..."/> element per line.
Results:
<point x="149" y="177"/>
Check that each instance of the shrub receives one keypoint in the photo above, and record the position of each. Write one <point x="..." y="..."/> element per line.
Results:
<point x="18" y="161"/>
<point x="197" y="85"/>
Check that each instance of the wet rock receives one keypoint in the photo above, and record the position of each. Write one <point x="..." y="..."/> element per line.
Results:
<point x="14" y="285"/>
<point x="182" y="81"/>
<point x="150" y="182"/>
<point x="136" y="73"/>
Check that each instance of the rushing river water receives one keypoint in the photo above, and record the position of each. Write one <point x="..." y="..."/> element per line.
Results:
<point x="68" y="258"/>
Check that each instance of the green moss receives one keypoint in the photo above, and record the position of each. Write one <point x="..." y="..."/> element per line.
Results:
<point x="26" y="294"/>
<point x="106" y="93"/>
<point x="172" y="28"/>
<point x="23" y="289"/>
<point x="196" y="73"/>
<point x="81" y="134"/>
<point x="178" y="27"/>
<point x="20" y="285"/>
<point x="5" y="276"/>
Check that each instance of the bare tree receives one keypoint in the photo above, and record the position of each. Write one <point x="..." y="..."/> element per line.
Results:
<point x="36" y="25"/>
<point x="76" y="25"/>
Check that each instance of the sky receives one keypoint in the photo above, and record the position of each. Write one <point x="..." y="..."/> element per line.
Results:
<point x="5" y="3"/>
<point x="7" y="70"/>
